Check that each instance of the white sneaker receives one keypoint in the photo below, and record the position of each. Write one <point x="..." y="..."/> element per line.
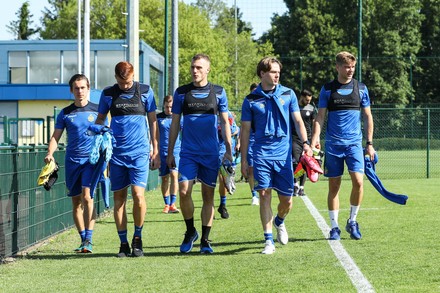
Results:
<point x="255" y="201"/>
<point x="282" y="235"/>
<point x="269" y="247"/>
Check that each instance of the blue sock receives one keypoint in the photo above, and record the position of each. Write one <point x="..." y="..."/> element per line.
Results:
<point x="223" y="200"/>
<point x="88" y="234"/>
<point x="166" y="199"/>
<point x="278" y="221"/>
<point x="173" y="198"/>
<point x="138" y="231"/>
<point x="254" y="193"/>
<point x="82" y="234"/>
<point x="268" y="236"/>
<point x="123" y="236"/>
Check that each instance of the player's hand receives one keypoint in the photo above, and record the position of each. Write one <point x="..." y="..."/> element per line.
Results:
<point x="307" y="150"/>
<point x="49" y="158"/>
<point x="171" y="163"/>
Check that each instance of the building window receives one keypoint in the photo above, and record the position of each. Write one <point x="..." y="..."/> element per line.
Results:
<point x="17" y="67"/>
<point x="107" y="61"/>
<point x="44" y="67"/>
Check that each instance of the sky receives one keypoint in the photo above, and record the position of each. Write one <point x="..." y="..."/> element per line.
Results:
<point x="257" y="12"/>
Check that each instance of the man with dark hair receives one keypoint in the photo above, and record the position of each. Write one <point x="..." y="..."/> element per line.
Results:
<point x="345" y="99"/>
<point x="268" y="111"/>
<point x="76" y="119"/>
<point x="169" y="177"/>
<point x="308" y="114"/>
<point x="201" y="103"/>
<point x="128" y="103"/>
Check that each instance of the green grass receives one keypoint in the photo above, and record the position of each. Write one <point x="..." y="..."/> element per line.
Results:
<point x="399" y="252"/>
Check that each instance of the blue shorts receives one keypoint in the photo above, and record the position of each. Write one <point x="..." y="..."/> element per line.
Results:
<point x="204" y="168"/>
<point x="274" y="174"/>
<point x="336" y="155"/>
<point x="78" y="175"/>
<point x="250" y="158"/>
<point x="164" y="170"/>
<point x="125" y="171"/>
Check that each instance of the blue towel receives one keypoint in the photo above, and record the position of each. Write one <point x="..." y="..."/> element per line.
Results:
<point x="370" y="172"/>
<point x="100" y="154"/>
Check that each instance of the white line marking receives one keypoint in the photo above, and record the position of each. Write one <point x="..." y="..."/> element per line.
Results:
<point x="354" y="273"/>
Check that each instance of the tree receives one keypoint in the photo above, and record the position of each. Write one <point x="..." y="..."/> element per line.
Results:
<point x="427" y="69"/>
<point x="20" y="28"/>
<point x="309" y="35"/>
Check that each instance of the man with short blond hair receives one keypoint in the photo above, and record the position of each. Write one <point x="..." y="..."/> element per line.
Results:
<point x="343" y="101"/>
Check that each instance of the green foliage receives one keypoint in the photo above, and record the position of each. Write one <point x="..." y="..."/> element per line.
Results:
<point x="20" y="28"/>
<point x="318" y="29"/>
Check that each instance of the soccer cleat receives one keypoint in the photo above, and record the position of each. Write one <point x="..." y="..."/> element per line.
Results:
<point x="136" y="247"/>
<point x="269" y="247"/>
<point x="282" y="236"/>
<point x="255" y="201"/>
<point x="335" y="234"/>
<point x="205" y="247"/>
<point x="124" y="250"/>
<point x="173" y="209"/>
<point x="166" y="209"/>
<point x="80" y="248"/>
<point x="301" y="192"/>
<point x="87" y="246"/>
<point x="352" y="227"/>
<point x="223" y="211"/>
<point x="188" y="241"/>
<point x="295" y="191"/>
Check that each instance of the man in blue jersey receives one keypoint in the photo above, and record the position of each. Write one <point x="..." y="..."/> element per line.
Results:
<point x="342" y="101"/>
<point x="128" y="103"/>
<point x="169" y="177"/>
<point x="308" y="114"/>
<point x="76" y="119"/>
<point x="201" y="103"/>
<point x="268" y="111"/>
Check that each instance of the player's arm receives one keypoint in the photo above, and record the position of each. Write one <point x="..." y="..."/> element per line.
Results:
<point x="317" y="126"/>
<point x="154" y="140"/>
<point x="53" y="144"/>
<point x="244" y="146"/>
<point x="174" y="132"/>
<point x="368" y="128"/>
<point x="226" y="134"/>
<point x="302" y="132"/>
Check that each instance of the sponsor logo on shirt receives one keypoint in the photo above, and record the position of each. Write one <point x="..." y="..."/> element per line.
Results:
<point x="126" y="106"/>
<point x="91" y="118"/>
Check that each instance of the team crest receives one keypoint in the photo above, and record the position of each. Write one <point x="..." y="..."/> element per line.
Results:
<point x="282" y="101"/>
<point x="91" y="118"/>
<point x="261" y="106"/>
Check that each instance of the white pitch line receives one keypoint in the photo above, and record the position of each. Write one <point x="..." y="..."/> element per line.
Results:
<point x="354" y="273"/>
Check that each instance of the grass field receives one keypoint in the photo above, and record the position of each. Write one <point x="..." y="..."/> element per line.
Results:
<point x="399" y="252"/>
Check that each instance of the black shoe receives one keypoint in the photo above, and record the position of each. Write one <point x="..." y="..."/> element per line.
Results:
<point x="124" y="250"/>
<point x="136" y="246"/>
<point x="223" y="211"/>
<point x="205" y="247"/>
<point x="301" y="192"/>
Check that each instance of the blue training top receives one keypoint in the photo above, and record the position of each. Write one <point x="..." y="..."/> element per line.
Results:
<point x="76" y="121"/>
<point x="199" y="107"/>
<point x="271" y="126"/>
<point x="129" y="124"/>
<point x="344" y="115"/>
<point x="164" y="124"/>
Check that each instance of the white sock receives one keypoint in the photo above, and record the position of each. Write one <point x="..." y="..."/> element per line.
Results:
<point x="334" y="218"/>
<point x="353" y="212"/>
